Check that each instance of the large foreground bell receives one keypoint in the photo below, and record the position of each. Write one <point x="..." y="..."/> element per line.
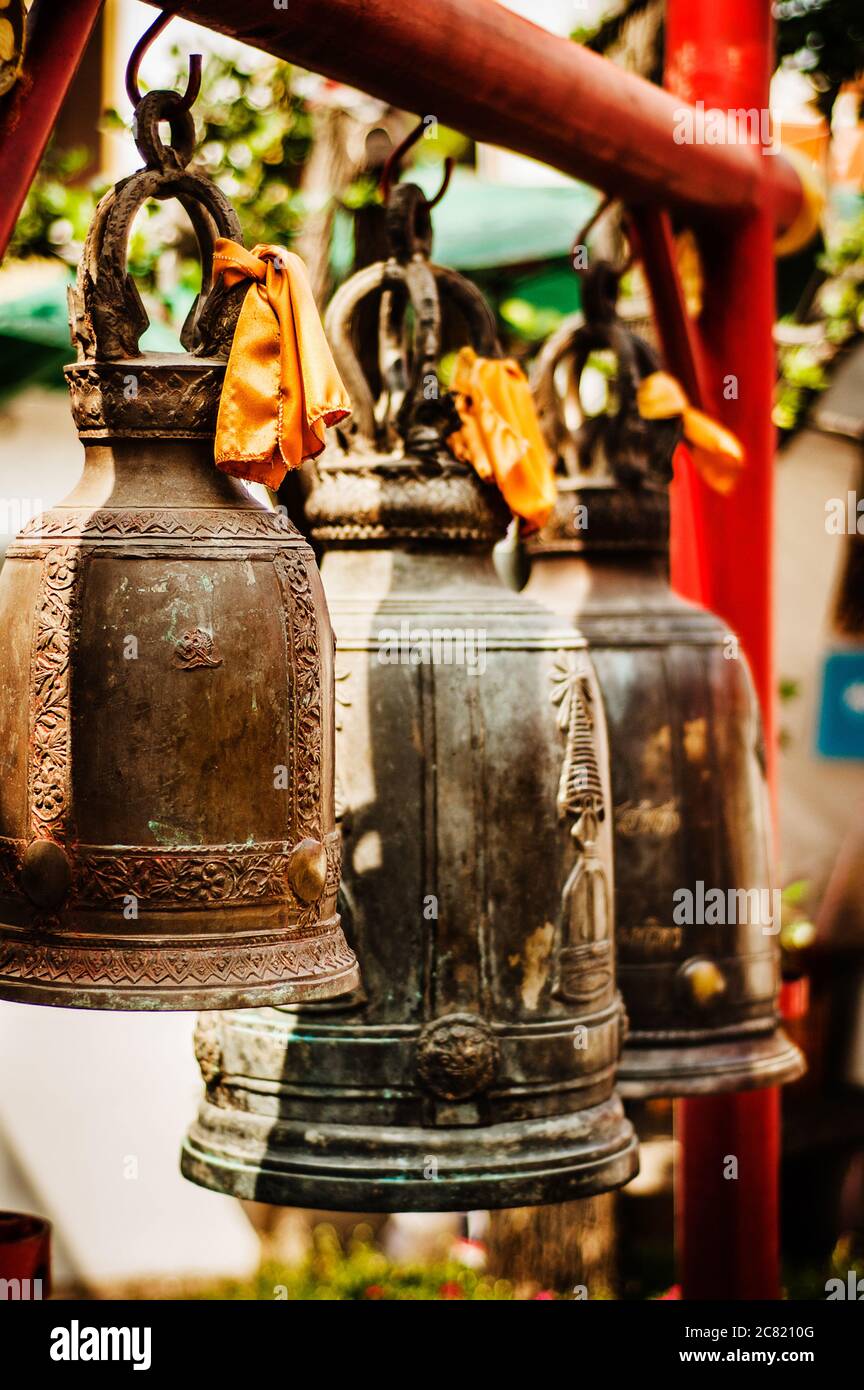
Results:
<point x="476" y="1067"/>
<point x="167" y="835"/>
<point x="696" y="914"/>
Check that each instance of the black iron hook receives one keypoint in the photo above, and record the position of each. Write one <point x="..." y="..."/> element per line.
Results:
<point x="396" y="156"/>
<point x="133" y="91"/>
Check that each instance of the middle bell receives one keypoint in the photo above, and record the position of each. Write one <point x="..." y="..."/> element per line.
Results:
<point x="476" y="1066"/>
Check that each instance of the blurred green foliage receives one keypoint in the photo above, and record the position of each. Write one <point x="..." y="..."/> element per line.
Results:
<point x="797" y="929"/>
<point x="822" y="38"/>
<point x="807" y="1280"/>
<point x="57" y="210"/>
<point x="254" y="133"/>
<point x="533" y="323"/>
<point x="359" y="1272"/>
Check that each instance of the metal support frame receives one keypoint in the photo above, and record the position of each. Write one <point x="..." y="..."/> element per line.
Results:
<point x="477" y="66"/>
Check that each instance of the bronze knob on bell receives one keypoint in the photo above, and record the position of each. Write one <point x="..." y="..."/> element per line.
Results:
<point x="307" y="870"/>
<point x="46" y="875"/>
<point x="702" y="982"/>
<point x="457" y="1056"/>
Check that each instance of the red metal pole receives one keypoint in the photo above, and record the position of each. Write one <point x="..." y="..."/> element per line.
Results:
<point x="57" y="36"/>
<point x="728" y="1218"/>
<point x="497" y="77"/>
<point x="722" y="54"/>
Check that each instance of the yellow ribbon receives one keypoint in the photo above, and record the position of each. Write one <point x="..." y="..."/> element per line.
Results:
<point x="501" y="435"/>
<point x="716" y="452"/>
<point x="281" y="384"/>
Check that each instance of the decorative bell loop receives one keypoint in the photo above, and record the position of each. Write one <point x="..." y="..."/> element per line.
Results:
<point x="696" y="913"/>
<point x="622" y="444"/>
<point x="398" y="399"/>
<point x="477" y="1067"/>
<point x="167" y="832"/>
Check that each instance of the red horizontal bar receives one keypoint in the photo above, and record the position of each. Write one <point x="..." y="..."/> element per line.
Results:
<point x="497" y="77"/>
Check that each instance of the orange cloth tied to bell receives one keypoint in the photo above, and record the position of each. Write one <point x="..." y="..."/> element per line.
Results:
<point x="501" y="435"/>
<point x="281" y="384"/>
<point x="717" y="453"/>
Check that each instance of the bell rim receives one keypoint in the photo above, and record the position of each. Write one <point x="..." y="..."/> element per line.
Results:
<point x="379" y="498"/>
<point x="525" y="1173"/>
<point x="180" y="1000"/>
<point x="676" y="1071"/>
<point x="312" y="979"/>
<point x="626" y="520"/>
<point x="175" y="396"/>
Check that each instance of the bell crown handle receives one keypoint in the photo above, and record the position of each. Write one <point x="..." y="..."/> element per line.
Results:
<point x="107" y="316"/>
<point x="638" y="451"/>
<point x="411" y="404"/>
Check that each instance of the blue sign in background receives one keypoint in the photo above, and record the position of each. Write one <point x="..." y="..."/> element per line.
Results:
<point x="841" y="713"/>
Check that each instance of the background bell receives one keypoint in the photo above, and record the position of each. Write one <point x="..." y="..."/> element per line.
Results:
<point x="476" y="1068"/>
<point x="697" y="915"/>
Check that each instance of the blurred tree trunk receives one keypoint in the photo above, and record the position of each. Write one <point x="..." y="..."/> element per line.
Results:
<point x="569" y="1248"/>
<point x="326" y="173"/>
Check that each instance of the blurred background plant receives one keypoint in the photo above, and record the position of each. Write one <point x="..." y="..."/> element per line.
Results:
<point x="354" y="1269"/>
<point x="57" y="210"/>
<point x="823" y="39"/>
<point x="274" y="140"/>
<point x="831" y="317"/>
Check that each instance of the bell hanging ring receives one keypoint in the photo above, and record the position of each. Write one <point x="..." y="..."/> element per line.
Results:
<point x="167" y="833"/>
<point x="700" y="981"/>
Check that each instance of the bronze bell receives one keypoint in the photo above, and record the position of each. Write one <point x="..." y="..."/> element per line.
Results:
<point x="167" y="835"/>
<point x="700" y="984"/>
<point x="476" y="1067"/>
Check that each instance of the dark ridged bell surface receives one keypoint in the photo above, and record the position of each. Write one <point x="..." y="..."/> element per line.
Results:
<point x="167" y="829"/>
<point x="476" y="1066"/>
<point x="688" y="781"/>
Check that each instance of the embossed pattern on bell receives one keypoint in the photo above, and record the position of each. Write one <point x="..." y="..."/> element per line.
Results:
<point x="166" y="707"/>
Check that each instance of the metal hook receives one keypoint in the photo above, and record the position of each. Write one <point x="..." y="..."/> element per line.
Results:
<point x="133" y="91"/>
<point x="580" y="238"/>
<point x="395" y="157"/>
